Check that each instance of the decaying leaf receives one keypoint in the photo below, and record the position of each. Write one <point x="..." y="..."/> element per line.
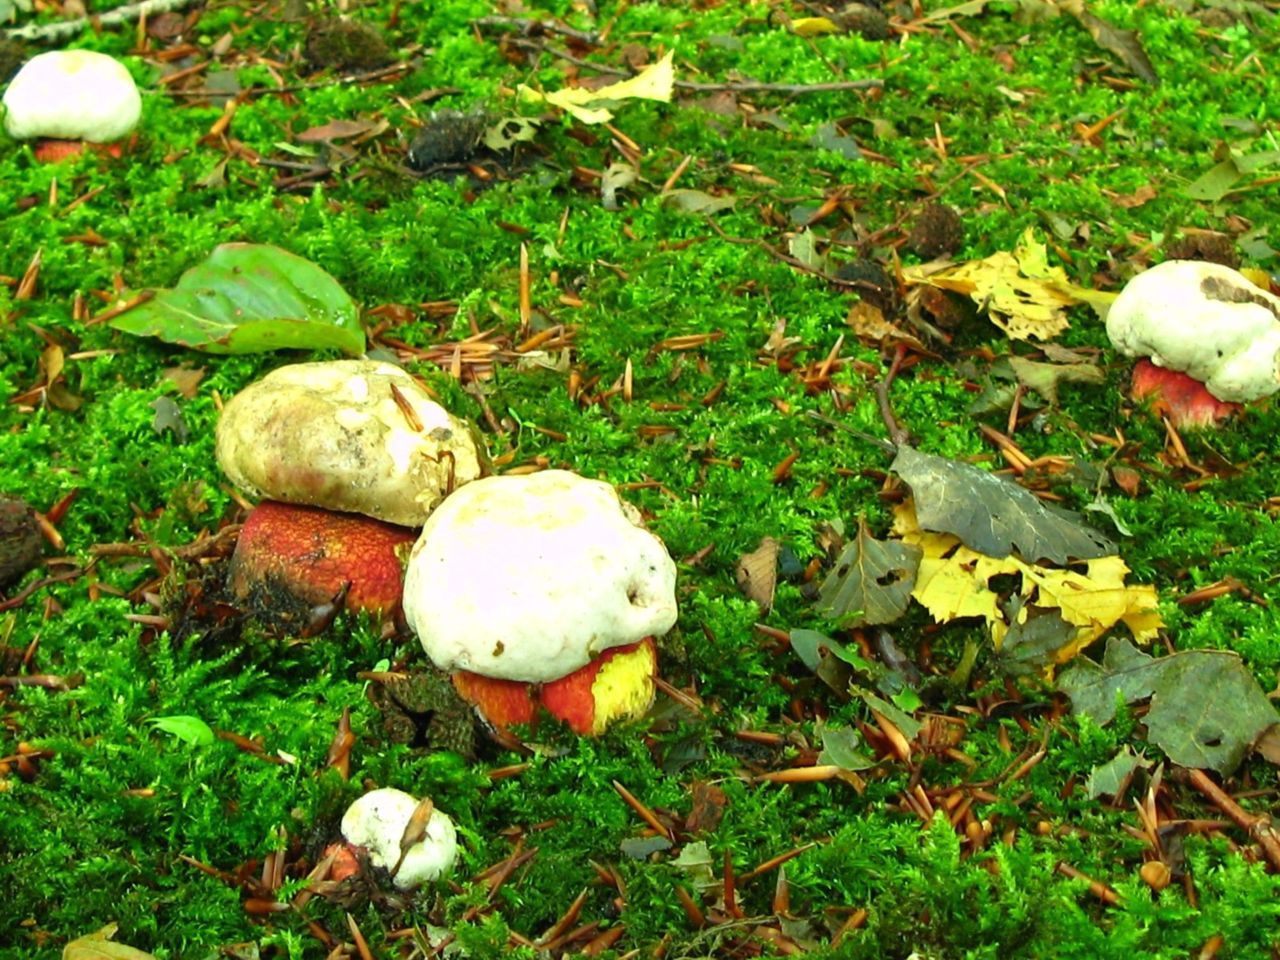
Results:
<point x="619" y="176"/>
<point x="1207" y="710"/>
<point x="843" y="747"/>
<point x="1024" y="296"/>
<point x="1125" y="44"/>
<point x="869" y="323"/>
<point x="1112" y="778"/>
<point x="992" y="515"/>
<point x="654" y="82"/>
<point x="168" y="416"/>
<point x="812" y="26"/>
<point x="1033" y="638"/>
<point x="100" y="946"/>
<point x="830" y="660"/>
<point x="247" y="298"/>
<point x="505" y="134"/>
<point x="871" y="582"/>
<point x="696" y="201"/>
<point x="757" y="572"/>
<point x="954" y="581"/>
<point x="1045" y="378"/>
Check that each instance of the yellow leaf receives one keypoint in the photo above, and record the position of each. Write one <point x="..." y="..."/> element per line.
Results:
<point x="98" y="946"/>
<point x="953" y="582"/>
<point x="1024" y="296"/>
<point x="654" y="82"/>
<point x="813" y="26"/>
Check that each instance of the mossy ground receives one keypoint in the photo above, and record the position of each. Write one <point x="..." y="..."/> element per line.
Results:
<point x="101" y="832"/>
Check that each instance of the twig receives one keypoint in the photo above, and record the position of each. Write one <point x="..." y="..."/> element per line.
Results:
<point x="29" y="589"/>
<point x="897" y="434"/>
<point x="1258" y="827"/>
<point x="730" y="86"/>
<point x="365" y="77"/>
<point x="64" y="30"/>
<point x="530" y="27"/>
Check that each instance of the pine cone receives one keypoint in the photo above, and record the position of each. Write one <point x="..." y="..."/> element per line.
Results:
<point x="20" y="542"/>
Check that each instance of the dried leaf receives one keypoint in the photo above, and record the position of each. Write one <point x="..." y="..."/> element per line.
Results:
<point x="1045" y="378"/>
<point x="1024" y="296"/>
<point x="992" y="515"/>
<point x="99" y="946"/>
<point x="953" y="582"/>
<point x="871" y="582"/>
<point x="505" y="134"/>
<point x="1206" y="711"/>
<point x="869" y="323"/>
<point x="654" y="82"/>
<point x="186" y="379"/>
<point x="1125" y="44"/>
<point x="757" y="572"/>
<point x="696" y="201"/>
<point x="1268" y="745"/>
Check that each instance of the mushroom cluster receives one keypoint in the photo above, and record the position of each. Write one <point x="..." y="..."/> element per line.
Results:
<point x="65" y="99"/>
<point x="1207" y="339"/>
<point x="349" y="458"/>
<point x="542" y="589"/>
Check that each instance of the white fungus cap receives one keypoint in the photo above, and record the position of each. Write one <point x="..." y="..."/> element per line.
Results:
<point x="377" y="821"/>
<point x="532" y="577"/>
<point x="1205" y="320"/>
<point x="72" y="95"/>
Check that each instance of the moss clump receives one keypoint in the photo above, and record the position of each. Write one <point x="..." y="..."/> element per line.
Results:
<point x="938" y="231"/>
<point x="342" y="44"/>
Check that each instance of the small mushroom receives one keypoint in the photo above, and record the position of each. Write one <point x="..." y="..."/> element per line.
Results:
<point x="1208" y="339"/>
<point x="66" y="98"/>
<point x="542" y="587"/>
<point x="407" y="837"/>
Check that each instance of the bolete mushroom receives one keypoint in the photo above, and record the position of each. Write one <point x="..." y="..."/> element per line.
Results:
<point x="542" y="588"/>
<point x="67" y="98"/>
<point x="1208" y="339"/>
<point x="407" y="837"/>
<point x="340" y="451"/>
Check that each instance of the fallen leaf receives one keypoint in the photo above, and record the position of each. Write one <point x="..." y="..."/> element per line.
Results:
<point x="188" y="729"/>
<point x="505" y="134"/>
<point x="908" y="724"/>
<point x="841" y="746"/>
<point x="830" y="137"/>
<point x="812" y="26"/>
<point x="340" y="130"/>
<point x="992" y="515"/>
<point x="249" y="298"/>
<point x="1268" y="745"/>
<point x="168" y="416"/>
<point x="1125" y="44"/>
<point x="1111" y="779"/>
<point x="186" y="379"/>
<point x="1206" y="711"/>
<point x="871" y="582"/>
<point x="1023" y="295"/>
<point x="757" y="573"/>
<point x="953" y="582"/>
<point x="803" y="247"/>
<point x="696" y="201"/>
<point x="654" y="82"/>
<point x="619" y="176"/>
<point x="1045" y="378"/>
<point x="99" y="946"/>
<point x="869" y="323"/>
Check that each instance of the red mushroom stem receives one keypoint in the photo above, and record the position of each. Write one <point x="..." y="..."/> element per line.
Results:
<point x="1183" y="399"/>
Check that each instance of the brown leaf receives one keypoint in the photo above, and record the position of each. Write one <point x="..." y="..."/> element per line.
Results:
<point x="708" y="808"/>
<point x="1268" y="745"/>
<point x="1125" y="44"/>
<point x="337" y="130"/>
<point x="869" y="323"/>
<point x="186" y="379"/>
<point x="757" y="572"/>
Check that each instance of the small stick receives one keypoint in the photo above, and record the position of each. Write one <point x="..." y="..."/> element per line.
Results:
<point x="643" y="812"/>
<point x="777" y="861"/>
<point x="1096" y="887"/>
<point x="566" y="921"/>
<point x="1258" y="827"/>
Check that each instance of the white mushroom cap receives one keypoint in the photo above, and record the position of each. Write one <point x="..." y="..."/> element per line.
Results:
<point x="531" y="577"/>
<point x="1205" y="320"/>
<point x="378" y="820"/>
<point x="332" y="435"/>
<point x="72" y="95"/>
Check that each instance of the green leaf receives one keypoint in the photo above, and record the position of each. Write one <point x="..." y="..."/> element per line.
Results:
<point x="1111" y="778"/>
<point x="99" y="946"/>
<point x="908" y="724"/>
<point x="992" y="515"/>
<point x="1206" y="707"/>
<point x="872" y="581"/>
<point x="840" y="746"/>
<point x="188" y="729"/>
<point x="250" y="298"/>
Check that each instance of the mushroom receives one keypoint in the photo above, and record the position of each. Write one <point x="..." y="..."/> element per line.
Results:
<point x="1209" y="339"/>
<point x="66" y="98"/>
<point x="407" y="837"/>
<point x="341" y="452"/>
<point x="542" y="588"/>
